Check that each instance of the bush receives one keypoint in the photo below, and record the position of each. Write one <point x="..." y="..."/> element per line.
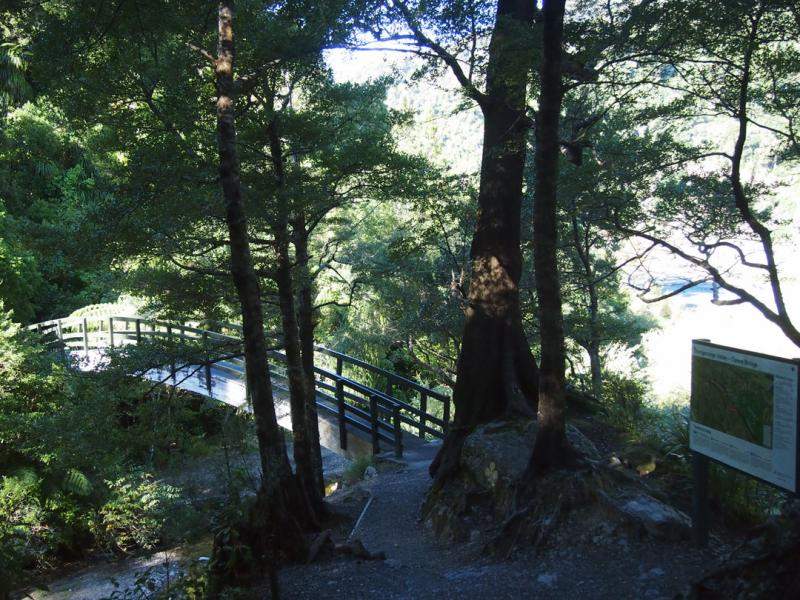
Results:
<point x="135" y="514"/>
<point x="664" y="427"/>
<point x="355" y="470"/>
<point x="623" y="399"/>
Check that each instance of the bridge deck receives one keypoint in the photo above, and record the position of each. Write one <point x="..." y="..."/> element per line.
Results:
<point x="354" y="418"/>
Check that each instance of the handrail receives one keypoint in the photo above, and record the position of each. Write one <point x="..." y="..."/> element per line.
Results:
<point x="379" y="413"/>
<point x="375" y="369"/>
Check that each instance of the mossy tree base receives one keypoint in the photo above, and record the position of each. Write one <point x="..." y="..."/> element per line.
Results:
<point x="492" y="501"/>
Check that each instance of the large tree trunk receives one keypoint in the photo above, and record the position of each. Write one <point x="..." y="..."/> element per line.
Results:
<point x="298" y="384"/>
<point x="306" y="316"/>
<point x="280" y="515"/>
<point x="551" y="448"/>
<point x="496" y="373"/>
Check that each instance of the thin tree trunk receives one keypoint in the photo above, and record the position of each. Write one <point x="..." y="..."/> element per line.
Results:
<point x="595" y="363"/>
<point x="279" y="517"/>
<point x="551" y="448"/>
<point x="307" y="324"/>
<point x="496" y="374"/>
<point x="298" y="383"/>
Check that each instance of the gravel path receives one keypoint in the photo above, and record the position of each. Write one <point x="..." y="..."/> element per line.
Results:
<point x="605" y="567"/>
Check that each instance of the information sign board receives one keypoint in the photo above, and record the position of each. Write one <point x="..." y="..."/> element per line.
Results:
<point x="744" y="411"/>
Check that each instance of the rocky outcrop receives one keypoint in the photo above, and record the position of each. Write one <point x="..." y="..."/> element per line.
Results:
<point x="484" y="504"/>
<point x="652" y="516"/>
<point x="493" y="460"/>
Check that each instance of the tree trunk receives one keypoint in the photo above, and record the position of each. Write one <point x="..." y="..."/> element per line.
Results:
<point x="595" y="364"/>
<point x="551" y="448"/>
<point x="307" y="324"/>
<point x="298" y="383"/>
<point x="496" y="373"/>
<point x="280" y="515"/>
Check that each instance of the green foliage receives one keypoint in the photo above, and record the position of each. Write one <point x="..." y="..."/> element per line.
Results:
<point x="70" y="444"/>
<point x="48" y="185"/>
<point x="355" y="470"/>
<point x="135" y="513"/>
<point x="624" y="399"/>
<point x="664" y="429"/>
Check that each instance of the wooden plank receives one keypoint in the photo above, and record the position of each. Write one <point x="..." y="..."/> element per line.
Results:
<point x="423" y="409"/>
<point x="398" y="433"/>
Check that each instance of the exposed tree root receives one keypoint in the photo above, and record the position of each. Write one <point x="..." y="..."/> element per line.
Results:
<point x="495" y="501"/>
<point x="768" y="566"/>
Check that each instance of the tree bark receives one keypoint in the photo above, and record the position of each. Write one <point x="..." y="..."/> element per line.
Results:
<point x="280" y="515"/>
<point x="592" y="345"/>
<point x="551" y="448"/>
<point x="595" y="363"/>
<point x="496" y="373"/>
<point x="298" y="382"/>
<point x="306" y="316"/>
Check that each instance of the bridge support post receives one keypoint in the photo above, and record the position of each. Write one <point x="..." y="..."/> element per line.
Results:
<point x="423" y="409"/>
<point x="208" y="362"/>
<point x="446" y="417"/>
<point x="60" y="334"/>
<point x="111" y="331"/>
<point x="340" y="409"/>
<point x="172" y="357"/>
<point x="85" y="336"/>
<point x="138" y="331"/>
<point x="373" y="418"/>
<point x="398" y="432"/>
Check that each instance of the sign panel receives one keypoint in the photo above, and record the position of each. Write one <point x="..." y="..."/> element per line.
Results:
<point x="744" y="411"/>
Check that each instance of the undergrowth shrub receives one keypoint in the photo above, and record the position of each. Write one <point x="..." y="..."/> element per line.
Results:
<point x="355" y="470"/>
<point x="75" y="453"/>
<point x="135" y="513"/>
<point x="623" y="399"/>
<point x="742" y="501"/>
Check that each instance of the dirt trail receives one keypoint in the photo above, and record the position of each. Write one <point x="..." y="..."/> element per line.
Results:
<point x="611" y="567"/>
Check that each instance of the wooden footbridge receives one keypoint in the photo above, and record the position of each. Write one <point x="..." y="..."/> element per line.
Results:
<point x="206" y="358"/>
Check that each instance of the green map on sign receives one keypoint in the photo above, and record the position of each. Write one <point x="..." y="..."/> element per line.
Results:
<point x="732" y="399"/>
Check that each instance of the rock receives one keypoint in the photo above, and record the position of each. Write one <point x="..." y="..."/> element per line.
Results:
<point x="654" y="572"/>
<point x="474" y="536"/>
<point x="655" y="517"/>
<point x="370" y="472"/>
<point x="492" y="461"/>
<point x="466" y="573"/>
<point x="499" y="449"/>
<point x="498" y="452"/>
<point x="393" y="563"/>
<point x="548" y="579"/>
<point x="581" y="443"/>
